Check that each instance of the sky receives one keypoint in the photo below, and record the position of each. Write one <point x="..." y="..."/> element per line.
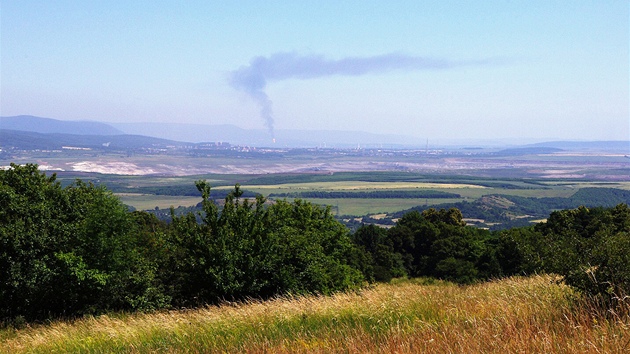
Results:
<point x="524" y="70"/>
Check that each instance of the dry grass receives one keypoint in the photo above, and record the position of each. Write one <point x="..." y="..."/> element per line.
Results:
<point x="517" y="315"/>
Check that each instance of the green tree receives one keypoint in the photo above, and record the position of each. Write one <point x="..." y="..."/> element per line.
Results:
<point x="67" y="251"/>
<point x="590" y="248"/>
<point x="385" y="262"/>
<point x="256" y="249"/>
<point x="438" y="243"/>
<point x="521" y="251"/>
<point x="32" y="225"/>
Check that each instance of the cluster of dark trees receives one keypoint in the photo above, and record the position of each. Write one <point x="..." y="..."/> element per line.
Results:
<point x="75" y="250"/>
<point x="434" y="244"/>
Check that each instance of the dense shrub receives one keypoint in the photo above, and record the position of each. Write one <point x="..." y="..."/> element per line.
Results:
<point x="590" y="248"/>
<point x="252" y="250"/>
<point x="434" y="243"/>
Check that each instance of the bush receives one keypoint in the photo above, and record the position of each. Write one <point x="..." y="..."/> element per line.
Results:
<point x="249" y="249"/>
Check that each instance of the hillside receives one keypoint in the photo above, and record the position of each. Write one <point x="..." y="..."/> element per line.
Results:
<point x="285" y="138"/>
<point x="25" y="140"/>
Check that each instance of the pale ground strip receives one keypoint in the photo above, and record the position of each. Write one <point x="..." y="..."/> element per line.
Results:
<point x="117" y="168"/>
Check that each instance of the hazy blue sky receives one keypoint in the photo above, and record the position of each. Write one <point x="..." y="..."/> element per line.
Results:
<point x="431" y="69"/>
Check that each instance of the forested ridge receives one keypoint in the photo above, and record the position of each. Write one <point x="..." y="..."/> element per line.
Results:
<point x="75" y="250"/>
<point x="535" y="208"/>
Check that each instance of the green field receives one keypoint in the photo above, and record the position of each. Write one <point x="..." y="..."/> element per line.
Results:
<point x="579" y="184"/>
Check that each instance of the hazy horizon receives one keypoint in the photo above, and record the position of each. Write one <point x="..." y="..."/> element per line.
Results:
<point x="447" y="71"/>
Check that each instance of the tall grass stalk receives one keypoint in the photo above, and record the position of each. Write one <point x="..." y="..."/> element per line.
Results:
<point x="516" y="315"/>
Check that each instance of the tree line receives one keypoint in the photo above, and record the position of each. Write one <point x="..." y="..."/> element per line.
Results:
<point x="75" y="250"/>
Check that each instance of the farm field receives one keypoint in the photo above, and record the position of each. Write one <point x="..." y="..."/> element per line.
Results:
<point x="514" y="315"/>
<point x="494" y="182"/>
<point x="467" y="190"/>
<point x="342" y="206"/>
<point x="579" y="184"/>
<point x="150" y="191"/>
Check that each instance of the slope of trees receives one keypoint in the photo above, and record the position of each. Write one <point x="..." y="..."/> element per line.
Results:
<point x="535" y="208"/>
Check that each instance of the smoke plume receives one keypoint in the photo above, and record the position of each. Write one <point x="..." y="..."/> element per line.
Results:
<point x="253" y="78"/>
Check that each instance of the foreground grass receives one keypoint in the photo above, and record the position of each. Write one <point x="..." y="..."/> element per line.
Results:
<point x="524" y="315"/>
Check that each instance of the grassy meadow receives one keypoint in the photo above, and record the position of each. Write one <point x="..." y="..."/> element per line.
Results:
<point x="515" y="315"/>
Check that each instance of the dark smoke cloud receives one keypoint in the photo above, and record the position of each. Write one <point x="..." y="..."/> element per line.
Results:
<point x="253" y="78"/>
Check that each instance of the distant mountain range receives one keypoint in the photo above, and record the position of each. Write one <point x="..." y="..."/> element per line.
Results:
<point x="48" y="133"/>
<point x="197" y="133"/>
<point x="26" y="140"/>
<point x="31" y="133"/>
<point x="48" y="126"/>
